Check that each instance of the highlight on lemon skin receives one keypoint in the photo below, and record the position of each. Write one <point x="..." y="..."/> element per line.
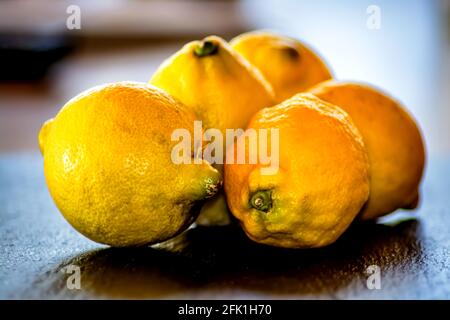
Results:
<point x="43" y="133"/>
<point x="288" y="64"/>
<point x="108" y="167"/>
<point x="322" y="182"/>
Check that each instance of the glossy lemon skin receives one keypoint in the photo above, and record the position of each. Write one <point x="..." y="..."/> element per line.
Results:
<point x="108" y="166"/>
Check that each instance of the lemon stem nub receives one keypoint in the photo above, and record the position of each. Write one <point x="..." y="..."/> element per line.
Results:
<point x="205" y="48"/>
<point x="261" y="201"/>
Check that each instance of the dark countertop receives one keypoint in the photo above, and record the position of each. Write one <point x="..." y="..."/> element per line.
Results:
<point x="412" y="250"/>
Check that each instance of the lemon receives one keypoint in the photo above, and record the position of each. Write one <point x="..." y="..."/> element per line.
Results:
<point x="215" y="82"/>
<point x="108" y="166"/>
<point x="321" y="184"/>
<point x="394" y="143"/>
<point x="221" y="88"/>
<point x="289" y="65"/>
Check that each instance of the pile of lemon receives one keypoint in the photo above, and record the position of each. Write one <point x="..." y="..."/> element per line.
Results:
<point x="346" y="150"/>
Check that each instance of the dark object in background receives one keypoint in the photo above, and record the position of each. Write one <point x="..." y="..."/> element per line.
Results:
<point x="27" y="57"/>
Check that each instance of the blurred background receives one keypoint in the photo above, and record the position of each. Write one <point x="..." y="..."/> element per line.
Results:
<point x="45" y="59"/>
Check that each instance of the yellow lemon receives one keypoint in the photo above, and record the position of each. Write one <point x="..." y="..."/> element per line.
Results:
<point x="320" y="186"/>
<point x="288" y="64"/>
<point x="394" y="143"/>
<point x="221" y="88"/>
<point x="106" y="154"/>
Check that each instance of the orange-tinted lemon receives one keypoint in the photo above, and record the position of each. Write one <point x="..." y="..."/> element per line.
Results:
<point x="393" y="140"/>
<point x="288" y="64"/>
<point x="320" y="186"/>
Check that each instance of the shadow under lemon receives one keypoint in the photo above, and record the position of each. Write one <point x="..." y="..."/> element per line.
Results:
<point x="213" y="260"/>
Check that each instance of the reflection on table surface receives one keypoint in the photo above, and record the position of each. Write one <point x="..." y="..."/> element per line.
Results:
<point x="412" y="250"/>
<point x="221" y="261"/>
